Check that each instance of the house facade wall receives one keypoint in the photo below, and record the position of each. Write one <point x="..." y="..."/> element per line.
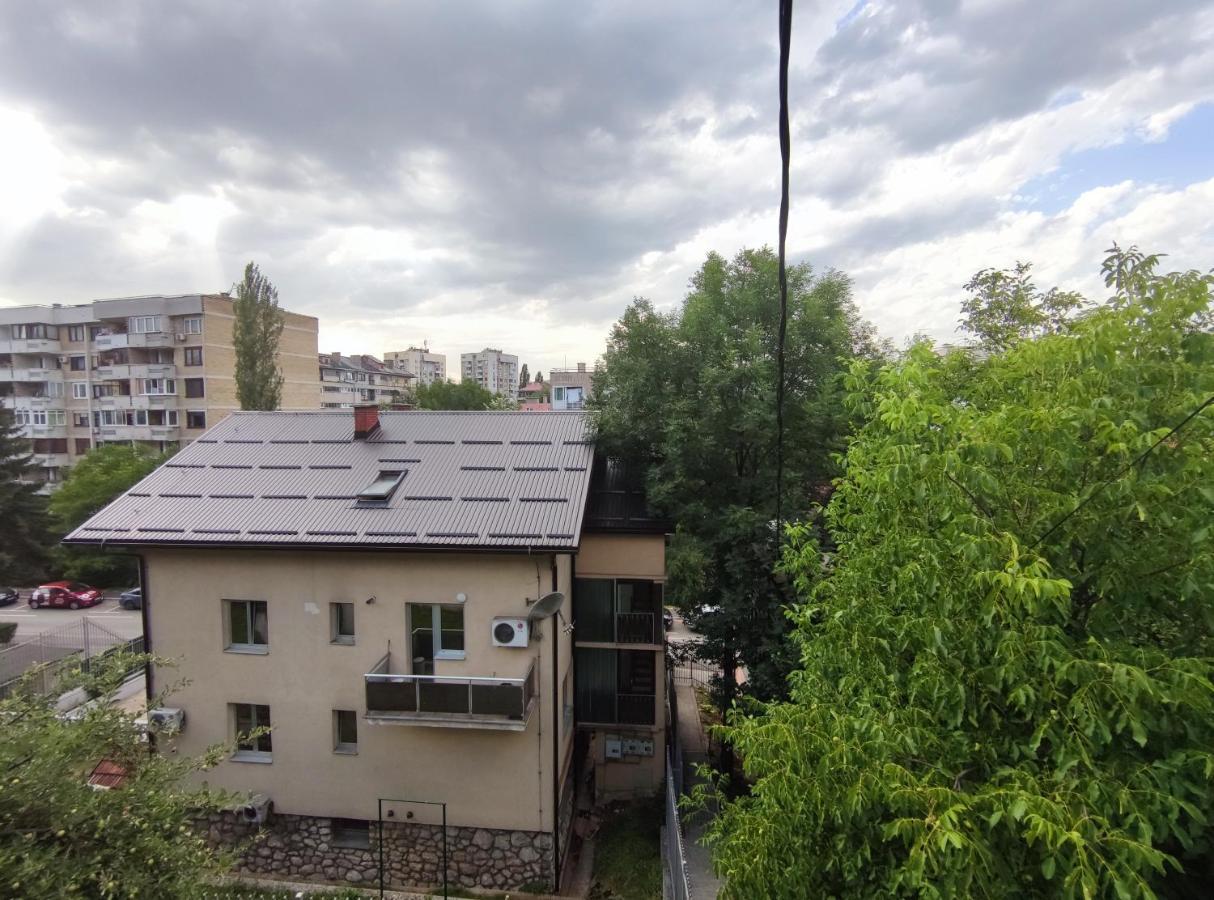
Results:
<point x="603" y="556"/>
<point x="499" y="781"/>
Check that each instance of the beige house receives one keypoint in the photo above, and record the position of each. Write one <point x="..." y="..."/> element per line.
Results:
<point x="158" y="371"/>
<point x="368" y="587"/>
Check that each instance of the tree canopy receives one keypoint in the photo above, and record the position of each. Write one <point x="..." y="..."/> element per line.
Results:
<point x="23" y="524"/>
<point x="61" y="838"/>
<point x="690" y="395"/>
<point x="450" y="395"/>
<point x="523" y="377"/>
<point x="95" y="480"/>
<point x="1004" y="685"/>
<point x="255" y="336"/>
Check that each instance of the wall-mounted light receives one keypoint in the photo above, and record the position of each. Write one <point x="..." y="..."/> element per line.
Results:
<point x="461" y="597"/>
<point x="371" y="599"/>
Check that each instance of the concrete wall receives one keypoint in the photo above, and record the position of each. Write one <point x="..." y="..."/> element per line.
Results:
<point x="622" y="556"/>
<point x="489" y="779"/>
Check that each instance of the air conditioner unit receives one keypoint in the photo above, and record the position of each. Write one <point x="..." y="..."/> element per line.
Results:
<point x="166" y="720"/>
<point x="257" y="810"/>
<point x="180" y="337"/>
<point x="509" y="632"/>
<point x="62" y="359"/>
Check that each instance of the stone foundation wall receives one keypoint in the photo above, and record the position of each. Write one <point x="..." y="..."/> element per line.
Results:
<point x="302" y="847"/>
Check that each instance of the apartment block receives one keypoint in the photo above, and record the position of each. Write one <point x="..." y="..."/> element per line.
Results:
<point x="420" y="362"/>
<point x="570" y="388"/>
<point x="346" y="381"/>
<point x="156" y="371"/>
<point x="495" y="371"/>
<point x="453" y="635"/>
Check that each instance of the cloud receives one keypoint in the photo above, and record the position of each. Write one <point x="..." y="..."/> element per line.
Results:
<point x="514" y="173"/>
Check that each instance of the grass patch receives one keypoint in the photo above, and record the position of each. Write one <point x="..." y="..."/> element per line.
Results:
<point x="628" y="853"/>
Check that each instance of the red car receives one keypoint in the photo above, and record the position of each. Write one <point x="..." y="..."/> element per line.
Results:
<point x="61" y="594"/>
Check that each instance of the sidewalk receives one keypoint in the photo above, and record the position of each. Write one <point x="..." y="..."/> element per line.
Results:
<point x="704" y="883"/>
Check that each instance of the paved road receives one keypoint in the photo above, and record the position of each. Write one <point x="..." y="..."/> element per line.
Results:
<point x="108" y="614"/>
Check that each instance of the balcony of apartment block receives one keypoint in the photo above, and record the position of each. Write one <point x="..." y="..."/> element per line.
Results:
<point x="113" y="401"/>
<point x="441" y="701"/>
<point x="30" y="345"/>
<point x="619" y="628"/>
<point x="112" y="372"/>
<point x="165" y="432"/>
<point x="52" y="460"/>
<point x="45" y="431"/>
<point x="154" y="401"/>
<point x="123" y="433"/>
<point x="153" y="370"/>
<point x="615" y="708"/>
<point x="33" y="401"/>
<point x="111" y="340"/>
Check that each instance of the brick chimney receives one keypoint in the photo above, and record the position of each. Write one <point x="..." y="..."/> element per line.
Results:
<point x="366" y="420"/>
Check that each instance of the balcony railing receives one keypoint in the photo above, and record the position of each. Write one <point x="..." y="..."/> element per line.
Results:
<point x="449" y="701"/>
<point x="636" y="628"/>
<point x="605" y="708"/>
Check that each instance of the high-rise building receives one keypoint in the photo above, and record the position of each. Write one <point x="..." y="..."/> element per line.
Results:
<point x="425" y="366"/>
<point x="495" y="371"/>
<point x="151" y="370"/>
<point x="349" y="380"/>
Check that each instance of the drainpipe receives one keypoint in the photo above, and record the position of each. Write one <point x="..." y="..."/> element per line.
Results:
<point x="556" y="744"/>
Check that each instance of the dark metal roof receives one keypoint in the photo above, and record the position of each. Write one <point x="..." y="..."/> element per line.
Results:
<point x="502" y="480"/>
<point x="618" y="502"/>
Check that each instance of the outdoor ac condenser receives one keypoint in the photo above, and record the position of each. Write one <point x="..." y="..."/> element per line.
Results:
<point x="509" y="632"/>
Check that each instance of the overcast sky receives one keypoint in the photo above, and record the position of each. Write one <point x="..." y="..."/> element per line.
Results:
<point x="512" y="174"/>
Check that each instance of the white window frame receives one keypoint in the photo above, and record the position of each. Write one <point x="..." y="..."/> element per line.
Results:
<point x="252" y="755"/>
<point x="170" y="418"/>
<point x="167" y="386"/>
<point x="335" y="635"/>
<point x="191" y="325"/>
<point x="144" y="324"/>
<point x="436" y="630"/>
<point x="230" y="646"/>
<point x="80" y="390"/>
<point x="22" y="417"/>
<point x="201" y="412"/>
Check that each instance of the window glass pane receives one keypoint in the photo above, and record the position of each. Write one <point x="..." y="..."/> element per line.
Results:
<point x="452" y="618"/>
<point x="593" y="609"/>
<point x="261" y="633"/>
<point x="343" y="620"/>
<point x="239" y="618"/>
<point x="595" y="686"/>
<point x="262" y="717"/>
<point x="347" y="727"/>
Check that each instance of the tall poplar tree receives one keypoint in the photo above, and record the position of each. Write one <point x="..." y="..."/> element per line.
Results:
<point x="255" y="335"/>
<point x="523" y="377"/>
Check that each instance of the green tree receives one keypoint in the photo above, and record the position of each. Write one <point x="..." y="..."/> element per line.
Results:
<point x="255" y="335"/>
<point x="23" y="524"/>
<point x="690" y="395"/>
<point x="539" y="377"/>
<point x="523" y="378"/>
<point x="61" y="838"/>
<point x="1005" y="677"/>
<point x="94" y="481"/>
<point x="449" y="395"/>
<point x="1004" y="306"/>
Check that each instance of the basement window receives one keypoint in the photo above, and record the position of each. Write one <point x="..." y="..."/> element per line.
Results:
<point x="354" y="834"/>
<point x="379" y="491"/>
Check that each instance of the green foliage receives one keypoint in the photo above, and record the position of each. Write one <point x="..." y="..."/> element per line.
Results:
<point x="93" y="482"/>
<point x="255" y="336"/>
<point x="449" y="395"/>
<point x="1004" y="306"/>
<point x="690" y="395"/>
<point x="1005" y="683"/>
<point x="523" y="378"/>
<point x="627" y="853"/>
<point x="61" y="838"/>
<point x="7" y="630"/>
<point x="23" y="526"/>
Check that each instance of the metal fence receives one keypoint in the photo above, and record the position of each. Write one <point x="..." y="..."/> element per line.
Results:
<point x="52" y="652"/>
<point x="676" y="852"/>
<point x="693" y="670"/>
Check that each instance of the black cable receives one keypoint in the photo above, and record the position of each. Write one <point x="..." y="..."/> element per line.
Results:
<point x="785" y="152"/>
<point x="1209" y="401"/>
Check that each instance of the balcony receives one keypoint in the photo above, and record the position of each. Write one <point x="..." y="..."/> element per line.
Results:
<point x="52" y="460"/>
<point x="117" y="371"/>
<point x="149" y="339"/>
<point x="494" y="704"/>
<point x="165" y="432"/>
<point x="611" y="708"/>
<point x="153" y="370"/>
<point x="30" y="345"/>
<point x="113" y="401"/>
<point x="153" y="401"/>
<point x="47" y="431"/>
<point x="111" y="341"/>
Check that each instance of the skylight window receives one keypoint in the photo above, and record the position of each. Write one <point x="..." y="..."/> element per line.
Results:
<point x="379" y="491"/>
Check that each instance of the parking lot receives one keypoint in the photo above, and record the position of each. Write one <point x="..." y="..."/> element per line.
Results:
<point x="107" y="613"/>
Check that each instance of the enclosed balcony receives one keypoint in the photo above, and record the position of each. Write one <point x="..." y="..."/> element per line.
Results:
<point x="488" y="703"/>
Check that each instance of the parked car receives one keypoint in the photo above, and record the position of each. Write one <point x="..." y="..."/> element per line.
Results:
<point x="132" y="599"/>
<point x="8" y="596"/>
<point x="64" y="595"/>
<point x="668" y="618"/>
<point x="696" y="617"/>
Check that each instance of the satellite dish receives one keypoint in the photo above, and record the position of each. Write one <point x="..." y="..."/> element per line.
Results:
<point x="546" y="606"/>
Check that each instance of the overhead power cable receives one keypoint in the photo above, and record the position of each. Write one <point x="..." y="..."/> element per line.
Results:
<point x="785" y="152"/>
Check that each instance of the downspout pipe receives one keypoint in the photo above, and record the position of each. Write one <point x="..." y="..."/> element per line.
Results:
<point x="556" y="744"/>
